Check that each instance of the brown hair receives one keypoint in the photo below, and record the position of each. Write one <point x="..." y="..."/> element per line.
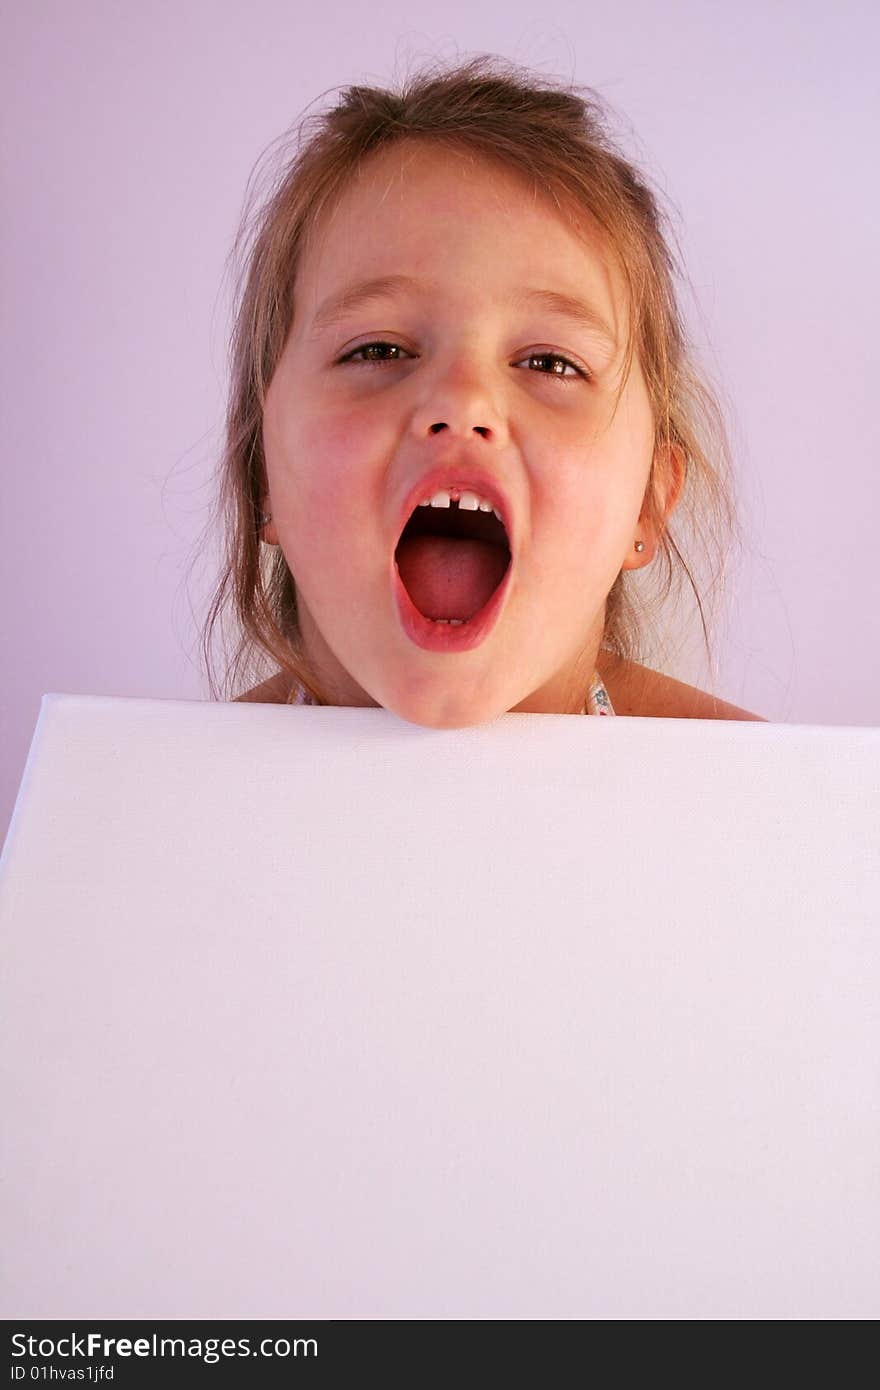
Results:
<point x="558" y="138"/>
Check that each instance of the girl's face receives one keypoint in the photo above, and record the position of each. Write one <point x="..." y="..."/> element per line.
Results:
<point x="472" y="381"/>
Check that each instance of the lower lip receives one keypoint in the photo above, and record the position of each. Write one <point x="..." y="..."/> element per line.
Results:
<point x="443" y="637"/>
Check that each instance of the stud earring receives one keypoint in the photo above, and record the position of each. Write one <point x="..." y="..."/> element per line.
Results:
<point x="640" y="545"/>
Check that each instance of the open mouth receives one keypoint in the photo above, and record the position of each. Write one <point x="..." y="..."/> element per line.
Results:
<point x="451" y="561"/>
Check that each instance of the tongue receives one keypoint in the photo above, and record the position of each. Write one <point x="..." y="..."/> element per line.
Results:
<point x="449" y="577"/>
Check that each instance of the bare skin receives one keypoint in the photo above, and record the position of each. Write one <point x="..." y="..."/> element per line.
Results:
<point x="634" y="690"/>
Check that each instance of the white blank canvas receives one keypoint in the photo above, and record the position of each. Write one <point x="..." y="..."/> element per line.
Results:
<point x="315" y="1013"/>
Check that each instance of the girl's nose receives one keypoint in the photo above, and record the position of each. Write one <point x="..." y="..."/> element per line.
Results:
<point x="462" y="402"/>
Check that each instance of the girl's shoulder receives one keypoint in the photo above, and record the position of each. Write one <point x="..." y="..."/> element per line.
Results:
<point x="274" y="691"/>
<point x="640" y="692"/>
<point x="633" y="690"/>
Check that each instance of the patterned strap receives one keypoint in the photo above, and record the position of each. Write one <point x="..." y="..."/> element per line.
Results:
<point x="598" y="698"/>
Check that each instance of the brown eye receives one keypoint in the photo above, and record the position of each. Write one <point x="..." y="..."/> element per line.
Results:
<point x="367" y="347"/>
<point x="556" y="357"/>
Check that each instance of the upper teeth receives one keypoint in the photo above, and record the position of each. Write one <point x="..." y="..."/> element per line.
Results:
<point x="469" y="501"/>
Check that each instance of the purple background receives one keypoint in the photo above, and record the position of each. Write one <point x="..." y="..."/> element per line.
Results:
<point x="129" y="134"/>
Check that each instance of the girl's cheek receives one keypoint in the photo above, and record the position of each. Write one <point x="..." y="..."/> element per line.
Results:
<point x="326" y="497"/>
<point x="339" y="443"/>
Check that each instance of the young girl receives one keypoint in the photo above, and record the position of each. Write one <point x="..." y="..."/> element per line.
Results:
<point x="462" y="413"/>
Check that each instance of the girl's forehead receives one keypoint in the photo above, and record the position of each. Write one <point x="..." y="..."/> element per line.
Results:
<point x="439" y="206"/>
<point x="413" y="162"/>
<point x="414" y="177"/>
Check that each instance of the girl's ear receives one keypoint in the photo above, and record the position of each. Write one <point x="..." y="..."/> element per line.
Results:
<point x="669" y="473"/>
<point x="267" y="531"/>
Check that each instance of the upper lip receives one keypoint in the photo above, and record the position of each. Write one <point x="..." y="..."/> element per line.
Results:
<point x="466" y="477"/>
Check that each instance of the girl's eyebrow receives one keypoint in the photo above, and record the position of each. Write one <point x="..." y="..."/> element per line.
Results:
<point x="362" y="292"/>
